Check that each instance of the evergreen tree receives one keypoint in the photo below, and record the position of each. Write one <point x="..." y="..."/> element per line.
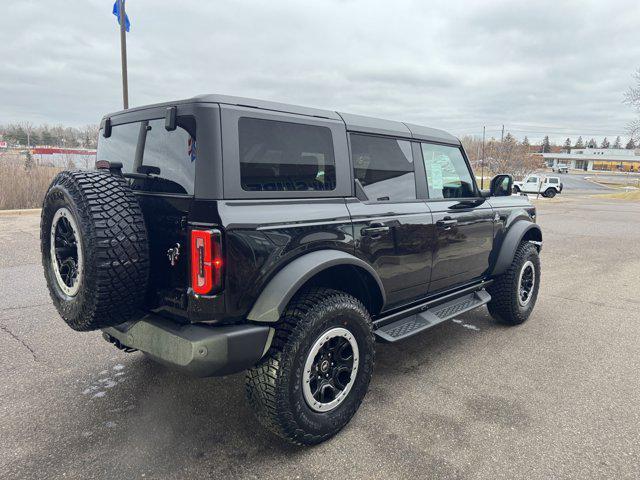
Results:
<point x="20" y="136"/>
<point x="631" y="144"/>
<point x="46" y="137"/>
<point x="579" y="143"/>
<point x="28" y="162"/>
<point x="567" y="145"/>
<point x="605" y="143"/>
<point x="617" y="143"/>
<point x="526" y="142"/>
<point x="592" y="143"/>
<point x="546" y="145"/>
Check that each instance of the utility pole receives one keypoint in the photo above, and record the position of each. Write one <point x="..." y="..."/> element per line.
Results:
<point x="123" y="54"/>
<point x="482" y="163"/>
<point x="502" y="135"/>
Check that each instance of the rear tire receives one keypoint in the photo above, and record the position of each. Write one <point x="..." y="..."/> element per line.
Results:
<point x="516" y="189"/>
<point x="550" y="193"/>
<point x="94" y="249"/>
<point x="280" y="389"/>
<point x="514" y="293"/>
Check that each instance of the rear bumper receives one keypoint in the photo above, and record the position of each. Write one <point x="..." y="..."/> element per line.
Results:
<point x="198" y="349"/>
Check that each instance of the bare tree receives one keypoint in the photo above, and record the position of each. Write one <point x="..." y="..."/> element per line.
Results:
<point x="89" y="136"/>
<point x="506" y="156"/>
<point x="26" y="133"/>
<point x="28" y="128"/>
<point x="632" y="98"/>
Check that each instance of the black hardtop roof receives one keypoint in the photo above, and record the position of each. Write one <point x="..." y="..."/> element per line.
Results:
<point x="354" y="123"/>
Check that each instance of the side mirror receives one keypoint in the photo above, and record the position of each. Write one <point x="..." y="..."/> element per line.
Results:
<point x="501" y="185"/>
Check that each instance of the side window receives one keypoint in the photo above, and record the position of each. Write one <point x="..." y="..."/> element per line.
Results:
<point x="532" y="180"/>
<point x="173" y="152"/>
<point x="384" y="167"/>
<point x="553" y="180"/>
<point x="285" y="156"/>
<point x="447" y="173"/>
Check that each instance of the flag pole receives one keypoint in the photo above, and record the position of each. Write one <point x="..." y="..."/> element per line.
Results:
<point x="123" y="55"/>
<point x="482" y="164"/>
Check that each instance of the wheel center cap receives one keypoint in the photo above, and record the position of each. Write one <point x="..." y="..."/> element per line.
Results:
<point x="324" y="366"/>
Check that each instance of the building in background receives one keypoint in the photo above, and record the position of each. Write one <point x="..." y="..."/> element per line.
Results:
<point x="598" y="159"/>
<point x="83" y="159"/>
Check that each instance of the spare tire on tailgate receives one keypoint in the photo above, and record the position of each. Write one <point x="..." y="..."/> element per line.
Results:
<point x="95" y="251"/>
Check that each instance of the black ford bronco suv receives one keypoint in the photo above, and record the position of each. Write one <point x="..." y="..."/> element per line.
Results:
<point x="221" y="234"/>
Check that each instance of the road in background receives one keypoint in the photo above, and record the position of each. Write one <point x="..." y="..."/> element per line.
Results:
<point x="586" y="182"/>
<point x="577" y="184"/>
<point x="554" y="398"/>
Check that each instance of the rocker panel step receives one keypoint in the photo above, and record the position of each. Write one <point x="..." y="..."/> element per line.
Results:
<point x="413" y="324"/>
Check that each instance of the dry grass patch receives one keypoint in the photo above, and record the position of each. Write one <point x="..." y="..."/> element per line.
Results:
<point x="24" y="188"/>
<point x="633" y="195"/>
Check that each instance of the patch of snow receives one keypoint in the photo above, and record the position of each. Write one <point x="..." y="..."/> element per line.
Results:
<point x="470" y="327"/>
<point x="87" y="391"/>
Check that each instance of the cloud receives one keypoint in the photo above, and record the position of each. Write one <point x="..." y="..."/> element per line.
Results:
<point x="537" y="67"/>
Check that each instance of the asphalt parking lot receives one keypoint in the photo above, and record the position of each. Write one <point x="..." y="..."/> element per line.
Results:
<point x="578" y="184"/>
<point x="558" y="397"/>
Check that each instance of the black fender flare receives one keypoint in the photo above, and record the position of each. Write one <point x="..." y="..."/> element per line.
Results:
<point x="510" y="243"/>
<point x="284" y="285"/>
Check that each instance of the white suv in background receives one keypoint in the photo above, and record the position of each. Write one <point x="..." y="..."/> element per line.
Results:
<point x="546" y="186"/>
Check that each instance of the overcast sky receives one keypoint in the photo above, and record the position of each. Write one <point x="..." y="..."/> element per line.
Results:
<point x="557" y="67"/>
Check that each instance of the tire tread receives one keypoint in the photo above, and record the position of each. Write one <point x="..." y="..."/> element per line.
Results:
<point x="115" y="245"/>
<point x="263" y="387"/>
<point x="503" y="305"/>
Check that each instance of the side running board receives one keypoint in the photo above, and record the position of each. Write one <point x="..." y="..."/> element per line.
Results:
<point x="408" y="326"/>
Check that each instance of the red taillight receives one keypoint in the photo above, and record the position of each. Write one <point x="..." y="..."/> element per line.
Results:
<point x="206" y="261"/>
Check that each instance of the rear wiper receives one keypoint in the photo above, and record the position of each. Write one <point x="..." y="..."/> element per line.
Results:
<point x="144" y="172"/>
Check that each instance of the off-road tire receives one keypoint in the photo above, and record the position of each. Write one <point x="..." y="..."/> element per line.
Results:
<point x="504" y="305"/>
<point x="114" y="247"/>
<point x="516" y="189"/>
<point x="274" y="387"/>
<point x="550" y="192"/>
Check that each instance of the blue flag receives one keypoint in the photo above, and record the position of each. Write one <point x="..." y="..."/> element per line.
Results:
<point x="116" y="12"/>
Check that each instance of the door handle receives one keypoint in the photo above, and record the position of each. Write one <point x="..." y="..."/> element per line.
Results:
<point x="447" y="223"/>
<point x="375" y="228"/>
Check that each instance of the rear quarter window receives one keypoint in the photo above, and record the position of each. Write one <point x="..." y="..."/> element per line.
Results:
<point x="173" y="152"/>
<point x="284" y="156"/>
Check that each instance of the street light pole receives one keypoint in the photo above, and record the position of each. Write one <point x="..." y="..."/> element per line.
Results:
<point x="123" y="54"/>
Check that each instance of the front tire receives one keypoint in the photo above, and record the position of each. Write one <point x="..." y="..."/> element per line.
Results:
<point x="514" y="293"/>
<point x="550" y="193"/>
<point x="516" y="189"/>
<point x="317" y="371"/>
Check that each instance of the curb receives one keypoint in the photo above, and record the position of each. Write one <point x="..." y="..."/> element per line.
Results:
<point x="25" y="211"/>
